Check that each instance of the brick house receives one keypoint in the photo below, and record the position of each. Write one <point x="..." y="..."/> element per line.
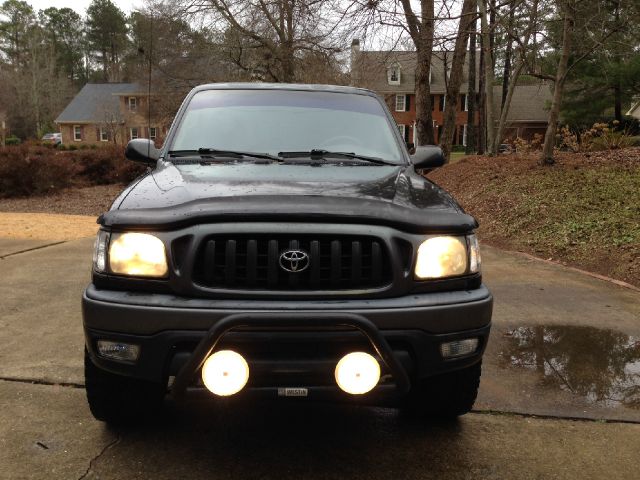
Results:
<point x="104" y="113"/>
<point x="392" y="75"/>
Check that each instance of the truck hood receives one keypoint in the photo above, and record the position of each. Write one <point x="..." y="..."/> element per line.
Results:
<point x="172" y="196"/>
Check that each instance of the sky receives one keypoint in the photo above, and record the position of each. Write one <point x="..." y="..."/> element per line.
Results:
<point x="80" y="6"/>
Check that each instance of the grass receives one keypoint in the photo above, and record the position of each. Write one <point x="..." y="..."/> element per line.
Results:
<point x="455" y="157"/>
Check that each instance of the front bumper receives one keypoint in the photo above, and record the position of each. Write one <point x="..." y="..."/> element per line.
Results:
<point x="297" y="351"/>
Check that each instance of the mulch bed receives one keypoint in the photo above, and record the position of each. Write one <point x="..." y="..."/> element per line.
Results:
<point x="73" y="201"/>
<point x="584" y="211"/>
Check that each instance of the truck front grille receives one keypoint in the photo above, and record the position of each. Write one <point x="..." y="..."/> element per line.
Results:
<point x="254" y="262"/>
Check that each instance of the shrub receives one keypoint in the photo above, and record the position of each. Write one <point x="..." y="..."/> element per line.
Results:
<point x="601" y="136"/>
<point x="29" y="171"/>
<point x="35" y="170"/>
<point x="12" y="140"/>
<point x="107" y="165"/>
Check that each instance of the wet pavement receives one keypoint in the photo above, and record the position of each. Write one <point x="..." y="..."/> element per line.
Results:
<point x="563" y="345"/>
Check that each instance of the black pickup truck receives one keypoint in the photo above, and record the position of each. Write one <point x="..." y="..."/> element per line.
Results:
<point x="284" y="245"/>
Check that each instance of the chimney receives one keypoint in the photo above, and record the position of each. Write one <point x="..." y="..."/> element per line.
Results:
<point x="355" y="50"/>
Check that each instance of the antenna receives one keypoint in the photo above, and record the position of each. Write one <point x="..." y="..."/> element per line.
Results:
<point x="149" y="85"/>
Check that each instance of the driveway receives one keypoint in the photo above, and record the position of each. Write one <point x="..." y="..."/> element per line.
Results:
<point x="560" y="387"/>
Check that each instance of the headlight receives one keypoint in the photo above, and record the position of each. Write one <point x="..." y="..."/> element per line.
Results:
<point x="138" y="255"/>
<point x="441" y="257"/>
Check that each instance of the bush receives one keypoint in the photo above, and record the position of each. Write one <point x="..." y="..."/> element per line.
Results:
<point x="36" y="170"/>
<point x="28" y="171"/>
<point x="12" y="140"/>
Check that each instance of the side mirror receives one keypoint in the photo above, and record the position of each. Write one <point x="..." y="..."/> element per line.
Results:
<point x="142" y="150"/>
<point x="427" y="156"/>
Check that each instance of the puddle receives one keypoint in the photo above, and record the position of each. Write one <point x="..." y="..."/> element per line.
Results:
<point x="602" y="366"/>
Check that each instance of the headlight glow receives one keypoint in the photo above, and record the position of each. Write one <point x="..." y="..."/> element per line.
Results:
<point x="440" y="257"/>
<point x="137" y="254"/>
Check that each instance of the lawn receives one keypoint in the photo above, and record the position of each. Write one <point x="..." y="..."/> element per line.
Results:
<point x="583" y="211"/>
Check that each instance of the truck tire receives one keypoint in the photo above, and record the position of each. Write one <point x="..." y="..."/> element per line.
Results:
<point x="445" y="396"/>
<point x="120" y="400"/>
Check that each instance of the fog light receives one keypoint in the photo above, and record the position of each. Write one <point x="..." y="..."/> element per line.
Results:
<point x="123" y="352"/>
<point x="459" y="347"/>
<point x="357" y="373"/>
<point x="225" y="373"/>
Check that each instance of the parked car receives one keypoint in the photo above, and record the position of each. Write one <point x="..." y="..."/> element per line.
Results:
<point x="505" y="148"/>
<point x="52" y="138"/>
<point x="284" y="245"/>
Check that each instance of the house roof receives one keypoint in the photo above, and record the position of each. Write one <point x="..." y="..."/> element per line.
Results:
<point x="530" y="103"/>
<point x="370" y="71"/>
<point x="96" y="101"/>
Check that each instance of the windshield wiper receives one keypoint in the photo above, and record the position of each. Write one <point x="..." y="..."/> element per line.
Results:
<point x="213" y="153"/>
<point x="318" y="154"/>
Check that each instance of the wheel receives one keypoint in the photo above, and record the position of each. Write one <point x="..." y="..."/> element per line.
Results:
<point x="120" y="400"/>
<point x="445" y="396"/>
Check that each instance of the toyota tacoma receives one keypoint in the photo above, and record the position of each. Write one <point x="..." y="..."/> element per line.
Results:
<point x="284" y="245"/>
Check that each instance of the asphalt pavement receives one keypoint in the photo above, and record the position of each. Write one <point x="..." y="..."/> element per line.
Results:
<point x="559" y="398"/>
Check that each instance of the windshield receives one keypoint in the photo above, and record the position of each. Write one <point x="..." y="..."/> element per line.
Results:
<point x="274" y="121"/>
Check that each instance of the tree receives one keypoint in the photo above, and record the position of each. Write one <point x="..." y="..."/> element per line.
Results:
<point x="107" y="37"/>
<point x="64" y="29"/>
<point x="488" y="74"/>
<point x="471" y="89"/>
<point x="269" y="37"/>
<point x="14" y="30"/>
<point x="467" y="18"/>
<point x="422" y="31"/>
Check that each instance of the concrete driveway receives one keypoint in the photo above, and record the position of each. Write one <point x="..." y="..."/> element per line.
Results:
<point x="560" y="394"/>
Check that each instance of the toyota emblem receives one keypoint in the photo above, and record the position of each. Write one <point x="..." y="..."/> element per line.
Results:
<point x="294" y="261"/>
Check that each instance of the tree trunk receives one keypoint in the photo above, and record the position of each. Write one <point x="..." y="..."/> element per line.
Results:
<point x="471" y="89"/>
<point x="558" y="89"/>
<point x="482" y="113"/>
<point x="424" y="51"/>
<point x="507" y="56"/>
<point x="488" y="76"/>
<point x="507" y="94"/>
<point x="455" y="78"/>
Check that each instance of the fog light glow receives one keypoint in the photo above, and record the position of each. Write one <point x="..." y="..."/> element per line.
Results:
<point x="459" y="348"/>
<point x="357" y="373"/>
<point x="225" y="373"/>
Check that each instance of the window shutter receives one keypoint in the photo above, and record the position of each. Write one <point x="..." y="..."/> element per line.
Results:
<point x="442" y="103"/>
<point x="97" y="134"/>
<point x="433" y="103"/>
<point x="406" y="134"/>
<point x="406" y="102"/>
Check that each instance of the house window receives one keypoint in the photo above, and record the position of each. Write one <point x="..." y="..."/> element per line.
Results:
<point x="404" y="131"/>
<point x="104" y="134"/>
<point x="393" y="75"/>
<point x="133" y="103"/>
<point x="153" y="133"/>
<point x="464" y="135"/>
<point x="77" y="133"/>
<point x="133" y="133"/>
<point x="401" y="102"/>
<point x="464" y="102"/>
<point x="442" y="103"/>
